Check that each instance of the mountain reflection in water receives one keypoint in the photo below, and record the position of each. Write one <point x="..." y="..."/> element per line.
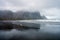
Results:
<point x="46" y="31"/>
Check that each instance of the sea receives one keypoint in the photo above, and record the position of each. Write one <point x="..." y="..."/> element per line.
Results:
<point x="48" y="31"/>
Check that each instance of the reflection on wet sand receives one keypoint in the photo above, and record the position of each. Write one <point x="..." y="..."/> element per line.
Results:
<point x="10" y="25"/>
<point x="44" y="33"/>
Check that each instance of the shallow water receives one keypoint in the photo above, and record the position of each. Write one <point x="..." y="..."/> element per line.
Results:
<point x="46" y="31"/>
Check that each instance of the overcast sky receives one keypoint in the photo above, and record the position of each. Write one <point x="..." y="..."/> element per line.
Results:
<point x="49" y="8"/>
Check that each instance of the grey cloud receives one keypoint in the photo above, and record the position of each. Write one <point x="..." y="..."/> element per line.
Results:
<point x="2" y="3"/>
<point x="35" y="4"/>
<point x="16" y="2"/>
<point x="41" y="5"/>
<point x="53" y="3"/>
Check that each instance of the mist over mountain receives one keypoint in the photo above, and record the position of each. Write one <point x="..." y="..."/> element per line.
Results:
<point x="20" y="15"/>
<point x="6" y="14"/>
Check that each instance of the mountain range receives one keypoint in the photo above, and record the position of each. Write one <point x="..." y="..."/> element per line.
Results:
<point x="20" y="15"/>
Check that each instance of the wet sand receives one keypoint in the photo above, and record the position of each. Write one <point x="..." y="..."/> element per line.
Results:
<point x="28" y="35"/>
<point x="46" y="32"/>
